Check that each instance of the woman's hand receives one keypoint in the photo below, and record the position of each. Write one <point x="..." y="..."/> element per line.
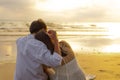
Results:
<point x="53" y="35"/>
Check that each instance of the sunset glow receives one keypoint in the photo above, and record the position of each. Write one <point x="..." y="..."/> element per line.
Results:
<point x="112" y="48"/>
<point x="113" y="29"/>
<point x="75" y="46"/>
<point x="60" y="5"/>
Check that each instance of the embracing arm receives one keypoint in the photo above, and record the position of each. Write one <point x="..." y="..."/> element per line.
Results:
<point x="67" y="58"/>
<point x="67" y="52"/>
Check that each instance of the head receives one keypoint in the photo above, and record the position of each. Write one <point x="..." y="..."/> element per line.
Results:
<point x="37" y="25"/>
<point x="44" y="37"/>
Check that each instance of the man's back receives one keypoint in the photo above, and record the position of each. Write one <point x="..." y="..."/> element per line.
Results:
<point x="20" y="62"/>
<point x="26" y="68"/>
<point x="31" y="54"/>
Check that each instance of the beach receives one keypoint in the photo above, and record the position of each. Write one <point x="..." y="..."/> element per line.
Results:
<point x="104" y="66"/>
<point x="91" y="27"/>
<point x="7" y="71"/>
<point x="96" y="48"/>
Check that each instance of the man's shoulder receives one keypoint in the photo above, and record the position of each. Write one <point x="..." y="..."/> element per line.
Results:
<point x="35" y="42"/>
<point x="30" y="40"/>
<point x="20" y="39"/>
<point x="24" y="38"/>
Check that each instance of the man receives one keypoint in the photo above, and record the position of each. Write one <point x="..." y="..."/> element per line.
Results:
<point x="33" y="54"/>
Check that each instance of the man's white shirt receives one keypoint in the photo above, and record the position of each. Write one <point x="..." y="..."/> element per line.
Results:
<point x="31" y="55"/>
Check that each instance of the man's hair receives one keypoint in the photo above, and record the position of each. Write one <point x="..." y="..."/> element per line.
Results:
<point x="37" y="25"/>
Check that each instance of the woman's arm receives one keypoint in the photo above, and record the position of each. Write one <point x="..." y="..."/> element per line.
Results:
<point x="68" y="58"/>
<point x="66" y="52"/>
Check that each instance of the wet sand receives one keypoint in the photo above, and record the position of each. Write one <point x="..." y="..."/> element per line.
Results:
<point x="104" y="66"/>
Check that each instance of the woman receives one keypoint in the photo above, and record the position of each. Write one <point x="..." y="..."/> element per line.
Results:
<point x="69" y="69"/>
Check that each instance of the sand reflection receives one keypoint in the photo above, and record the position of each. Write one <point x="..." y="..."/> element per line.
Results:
<point x="7" y="51"/>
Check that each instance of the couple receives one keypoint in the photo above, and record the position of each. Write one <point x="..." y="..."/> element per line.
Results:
<point x="41" y="57"/>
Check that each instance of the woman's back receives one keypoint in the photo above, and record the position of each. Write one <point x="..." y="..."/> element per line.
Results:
<point x="70" y="70"/>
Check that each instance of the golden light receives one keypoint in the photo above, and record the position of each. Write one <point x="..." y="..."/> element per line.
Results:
<point x="75" y="46"/>
<point x="112" y="48"/>
<point x="113" y="29"/>
<point x="7" y="50"/>
<point x="60" y="5"/>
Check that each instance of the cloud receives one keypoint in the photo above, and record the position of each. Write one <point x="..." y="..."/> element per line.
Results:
<point x="98" y="11"/>
<point x="13" y="9"/>
<point x="88" y="14"/>
<point x="14" y="4"/>
<point x="92" y="14"/>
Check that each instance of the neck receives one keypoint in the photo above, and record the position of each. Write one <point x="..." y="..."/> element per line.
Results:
<point x="33" y="33"/>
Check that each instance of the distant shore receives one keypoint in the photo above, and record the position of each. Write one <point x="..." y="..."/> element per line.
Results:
<point x="104" y="66"/>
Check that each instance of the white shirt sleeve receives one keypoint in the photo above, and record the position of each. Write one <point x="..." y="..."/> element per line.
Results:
<point x="38" y="52"/>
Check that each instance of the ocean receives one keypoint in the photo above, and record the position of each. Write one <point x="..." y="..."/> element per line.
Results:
<point x="83" y="37"/>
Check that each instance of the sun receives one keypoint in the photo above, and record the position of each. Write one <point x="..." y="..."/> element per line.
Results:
<point x="60" y="5"/>
<point x="113" y="29"/>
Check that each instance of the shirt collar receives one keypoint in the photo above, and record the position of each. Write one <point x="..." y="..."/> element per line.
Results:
<point x="30" y="36"/>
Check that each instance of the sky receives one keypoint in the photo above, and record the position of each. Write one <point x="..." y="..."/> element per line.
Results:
<point x="61" y="10"/>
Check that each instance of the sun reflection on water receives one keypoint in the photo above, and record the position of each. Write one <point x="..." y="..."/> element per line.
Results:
<point x="111" y="34"/>
<point x="112" y="48"/>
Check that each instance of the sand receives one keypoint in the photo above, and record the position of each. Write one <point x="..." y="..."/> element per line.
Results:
<point x="7" y="71"/>
<point x="104" y="66"/>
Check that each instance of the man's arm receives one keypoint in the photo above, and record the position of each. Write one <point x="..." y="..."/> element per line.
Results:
<point x="38" y="51"/>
